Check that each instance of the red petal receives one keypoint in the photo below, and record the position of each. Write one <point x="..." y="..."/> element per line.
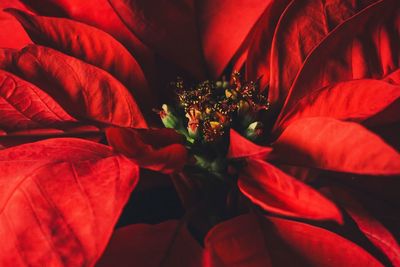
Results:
<point x="184" y="31"/>
<point x="240" y="147"/>
<point x="12" y="35"/>
<point x="300" y="29"/>
<point x="393" y="78"/>
<point x="258" y="62"/>
<point x="82" y="89"/>
<point x="165" y="244"/>
<point x="304" y="174"/>
<point x="224" y="25"/>
<point x="93" y="46"/>
<point x="170" y="29"/>
<point x="279" y="193"/>
<point x="315" y="246"/>
<point x="138" y="145"/>
<point x="7" y="56"/>
<point x="162" y="137"/>
<point x="60" y="199"/>
<point x="88" y="132"/>
<point x="101" y="16"/>
<point x="364" y="46"/>
<point x="372" y="229"/>
<point x="27" y="113"/>
<point x="334" y="145"/>
<point x="356" y="100"/>
<point x="24" y="106"/>
<point x="237" y="242"/>
<point x="250" y="240"/>
<point x="240" y="58"/>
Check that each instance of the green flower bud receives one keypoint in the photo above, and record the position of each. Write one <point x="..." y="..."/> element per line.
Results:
<point x="222" y="84"/>
<point x="193" y="130"/>
<point x="193" y="116"/>
<point x="254" y="130"/>
<point x="168" y="118"/>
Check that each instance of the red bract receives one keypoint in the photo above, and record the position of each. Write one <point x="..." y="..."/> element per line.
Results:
<point x="97" y="68"/>
<point x="60" y="200"/>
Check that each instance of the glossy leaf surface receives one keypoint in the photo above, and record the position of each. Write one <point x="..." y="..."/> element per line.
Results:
<point x="155" y="149"/>
<point x="364" y="46"/>
<point x="83" y="90"/>
<point x="165" y="244"/>
<point x="60" y="199"/>
<point x="334" y="145"/>
<point x="88" y="43"/>
<point x="192" y="34"/>
<point x="240" y="147"/>
<point x="357" y="100"/>
<point x="256" y="240"/>
<point x="277" y="192"/>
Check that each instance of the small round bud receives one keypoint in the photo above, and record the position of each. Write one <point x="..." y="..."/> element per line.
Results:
<point x="254" y="130"/>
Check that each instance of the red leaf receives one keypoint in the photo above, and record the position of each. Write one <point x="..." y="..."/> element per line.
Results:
<point x="372" y="228"/>
<point x="83" y="90"/>
<point x="221" y="32"/>
<point x="101" y="16"/>
<point x="250" y="240"/>
<point x="201" y="27"/>
<point x="304" y="174"/>
<point x="334" y="145"/>
<point x="154" y="149"/>
<point x="258" y="61"/>
<point x="12" y="35"/>
<point x="240" y="58"/>
<point x="356" y="100"/>
<point x="165" y="244"/>
<point x="240" y="147"/>
<point x="60" y="199"/>
<point x="279" y="193"/>
<point x="7" y="57"/>
<point x="88" y="132"/>
<point x="237" y="242"/>
<point x="364" y="46"/>
<point x="313" y="245"/>
<point x="24" y="106"/>
<point x="93" y="46"/>
<point x="170" y="29"/>
<point x="300" y="29"/>
<point x="393" y="78"/>
<point x="28" y="114"/>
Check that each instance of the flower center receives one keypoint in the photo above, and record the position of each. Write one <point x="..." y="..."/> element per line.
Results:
<point x="205" y="112"/>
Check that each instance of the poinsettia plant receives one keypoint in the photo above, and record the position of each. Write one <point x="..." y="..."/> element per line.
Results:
<point x="275" y="123"/>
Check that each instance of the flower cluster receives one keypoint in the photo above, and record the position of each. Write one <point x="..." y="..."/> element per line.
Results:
<point x="212" y="107"/>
